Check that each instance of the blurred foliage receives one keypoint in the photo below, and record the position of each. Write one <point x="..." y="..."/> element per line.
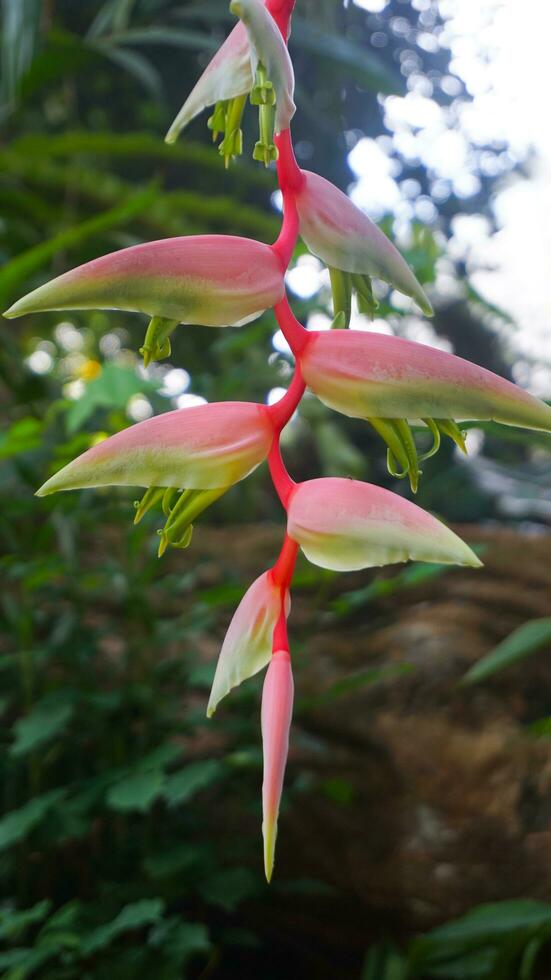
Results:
<point x="499" y="941"/>
<point x="113" y="851"/>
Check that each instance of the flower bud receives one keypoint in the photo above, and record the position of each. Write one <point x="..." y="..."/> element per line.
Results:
<point x="277" y="710"/>
<point x="227" y="76"/>
<point x="269" y="50"/>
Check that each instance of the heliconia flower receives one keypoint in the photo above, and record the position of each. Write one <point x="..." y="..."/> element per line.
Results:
<point x="212" y="280"/>
<point x="227" y="76"/>
<point x="277" y="710"/>
<point x="348" y="241"/>
<point x="201" y="451"/>
<point x="247" y="647"/>
<point x="269" y="50"/>
<point x="345" y="525"/>
<point x="388" y="380"/>
<point x="252" y="61"/>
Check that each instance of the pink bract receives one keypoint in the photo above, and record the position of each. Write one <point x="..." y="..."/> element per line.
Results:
<point x="213" y="280"/>
<point x="277" y="710"/>
<point x="371" y="375"/>
<point x="346" y="525"/>
<point x="201" y="447"/>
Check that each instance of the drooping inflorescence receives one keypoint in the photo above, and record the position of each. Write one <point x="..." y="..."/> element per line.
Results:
<point x="185" y="460"/>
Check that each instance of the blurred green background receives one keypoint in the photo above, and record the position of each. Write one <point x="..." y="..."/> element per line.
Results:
<point x="417" y="817"/>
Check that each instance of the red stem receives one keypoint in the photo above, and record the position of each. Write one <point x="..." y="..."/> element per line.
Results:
<point x="282" y="571"/>
<point x="282" y="574"/>
<point x="284" y="245"/>
<point x="282" y="410"/>
<point x="289" y="174"/>
<point x="293" y="331"/>
<point x="281" y="11"/>
<point x="278" y="471"/>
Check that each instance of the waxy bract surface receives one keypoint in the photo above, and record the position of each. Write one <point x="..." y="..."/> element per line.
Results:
<point x="370" y="375"/>
<point x="212" y="280"/>
<point x="202" y="447"/>
<point x="276" y="714"/>
<point x="247" y="647"/>
<point x="345" y="238"/>
<point x="346" y="525"/>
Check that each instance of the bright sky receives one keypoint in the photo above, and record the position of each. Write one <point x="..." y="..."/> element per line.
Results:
<point x="501" y="50"/>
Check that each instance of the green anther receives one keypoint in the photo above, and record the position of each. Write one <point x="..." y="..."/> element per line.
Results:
<point x="338" y="322"/>
<point x="408" y="442"/>
<point x="366" y="301"/>
<point x="263" y="92"/>
<point x="265" y="151"/>
<point x="150" y="498"/>
<point x="194" y="504"/>
<point x="183" y="500"/>
<point x="451" y="429"/>
<point x="156" y="344"/>
<point x="386" y="430"/>
<point x="341" y="288"/>
<point x="177" y="530"/>
<point x="217" y="122"/>
<point x="185" y="540"/>
<point x="392" y="466"/>
<point x="168" y="497"/>
<point x="435" y="440"/>
<point x="232" y="144"/>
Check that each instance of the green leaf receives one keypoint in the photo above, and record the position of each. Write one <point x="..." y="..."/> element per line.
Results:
<point x="18" y="823"/>
<point x="171" y="861"/>
<point x="21" y="963"/>
<point x="23" y="436"/>
<point x="112" y="389"/>
<point x="478" y="965"/>
<point x="20" y="268"/>
<point x="229" y="888"/>
<point x="14" y="921"/>
<point x="527" y="639"/>
<point x="20" y="26"/>
<point x="350" y="58"/>
<point x="172" y="36"/>
<point x="136" y="792"/>
<point x="180" y="940"/>
<point x="136" y="916"/>
<point x="384" y="962"/>
<point x="492" y="920"/>
<point x="48" y="718"/>
<point x="181" y="786"/>
<point x="132" y="62"/>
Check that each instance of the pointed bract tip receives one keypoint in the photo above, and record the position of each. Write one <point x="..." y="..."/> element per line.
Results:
<point x="269" y="834"/>
<point x="48" y="487"/>
<point x="171" y="136"/>
<point x="12" y="312"/>
<point x="425" y="304"/>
